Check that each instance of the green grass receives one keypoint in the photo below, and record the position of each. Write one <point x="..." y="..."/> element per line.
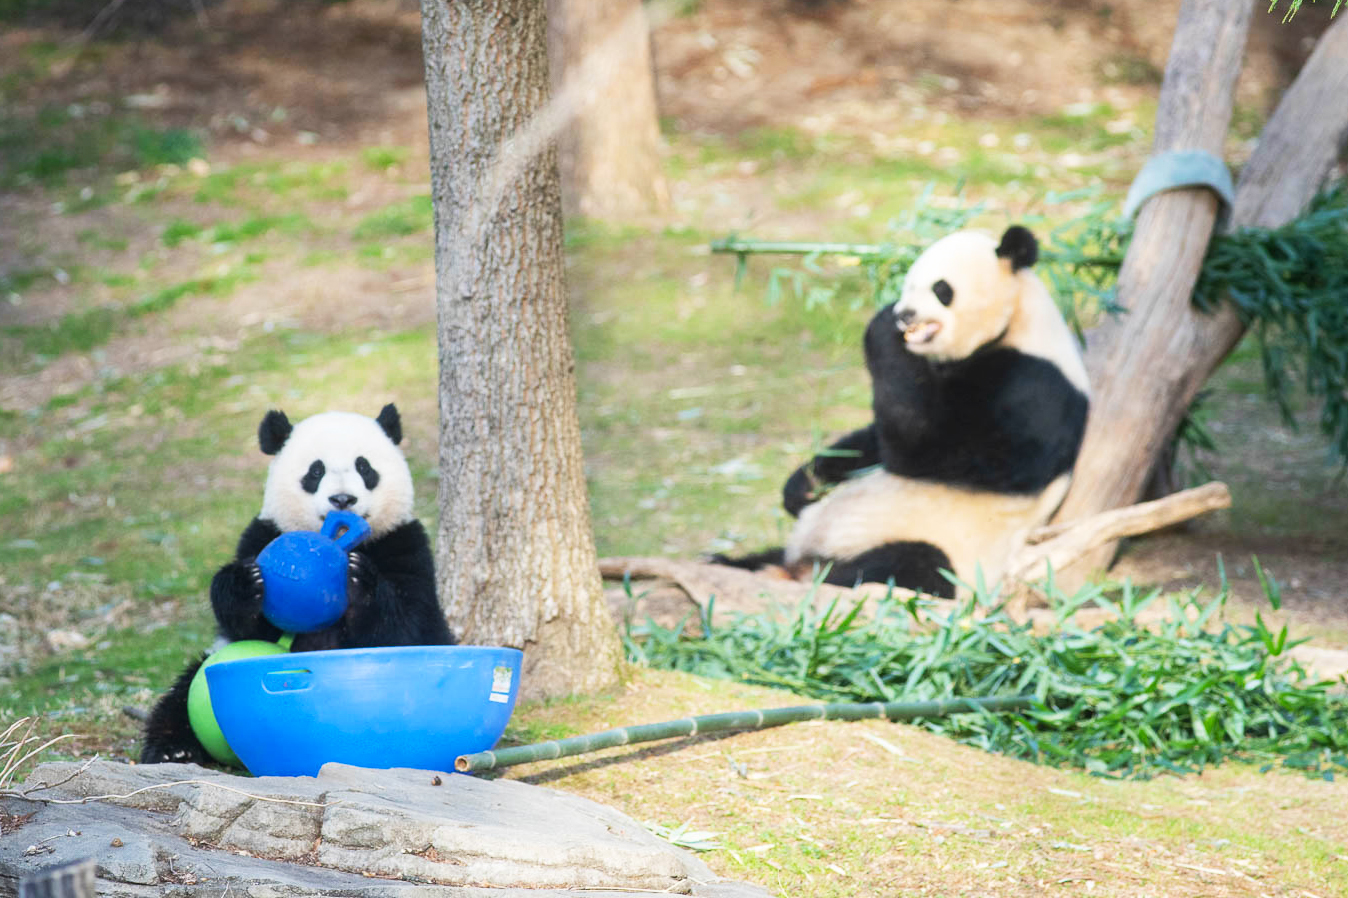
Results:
<point x="99" y="240"/>
<point x="88" y="329"/>
<point x="177" y="231"/>
<point x="411" y="216"/>
<point x="46" y="147"/>
<point x="382" y="159"/>
<point x="246" y="183"/>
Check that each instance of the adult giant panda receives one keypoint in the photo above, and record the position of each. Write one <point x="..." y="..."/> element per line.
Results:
<point x="980" y="399"/>
<point x="333" y="460"/>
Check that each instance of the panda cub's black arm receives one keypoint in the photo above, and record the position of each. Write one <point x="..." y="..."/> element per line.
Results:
<point x="393" y="597"/>
<point x="236" y="589"/>
<point x="859" y="449"/>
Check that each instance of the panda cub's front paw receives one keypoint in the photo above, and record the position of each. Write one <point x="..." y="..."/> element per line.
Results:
<point x="254" y="577"/>
<point x="361" y="575"/>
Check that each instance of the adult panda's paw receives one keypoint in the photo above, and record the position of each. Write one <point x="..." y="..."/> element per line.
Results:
<point x="800" y="490"/>
<point x="361" y="576"/>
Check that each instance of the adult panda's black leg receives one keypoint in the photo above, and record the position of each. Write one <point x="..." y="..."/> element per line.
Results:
<point x="168" y="734"/>
<point x="754" y="562"/>
<point x="911" y="565"/>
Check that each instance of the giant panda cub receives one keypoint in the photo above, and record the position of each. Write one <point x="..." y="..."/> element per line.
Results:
<point x="980" y="397"/>
<point x="333" y="460"/>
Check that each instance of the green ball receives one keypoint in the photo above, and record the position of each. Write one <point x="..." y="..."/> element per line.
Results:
<point x="199" y="711"/>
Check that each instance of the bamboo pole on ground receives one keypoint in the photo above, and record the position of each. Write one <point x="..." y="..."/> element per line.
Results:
<point x="734" y="720"/>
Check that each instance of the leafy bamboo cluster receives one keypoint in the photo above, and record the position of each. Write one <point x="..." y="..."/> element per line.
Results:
<point x="1123" y="699"/>
<point x="1294" y="5"/>
<point x="1288" y="283"/>
<point x="1290" y="286"/>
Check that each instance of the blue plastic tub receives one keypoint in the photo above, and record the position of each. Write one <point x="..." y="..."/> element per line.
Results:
<point x="409" y="706"/>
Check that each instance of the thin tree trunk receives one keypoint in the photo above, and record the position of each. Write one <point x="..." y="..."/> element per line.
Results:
<point x="1296" y="150"/>
<point x="515" y="553"/>
<point x="610" y="153"/>
<point x="1141" y="363"/>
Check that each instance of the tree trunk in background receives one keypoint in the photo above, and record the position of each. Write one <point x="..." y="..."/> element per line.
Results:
<point x="515" y="554"/>
<point x="610" y="151"/>
<point x="1141" y="363"/>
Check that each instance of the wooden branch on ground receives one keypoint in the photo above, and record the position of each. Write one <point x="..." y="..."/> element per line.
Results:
<point x="734" y="589"/>
<point x="1059" y="545"/>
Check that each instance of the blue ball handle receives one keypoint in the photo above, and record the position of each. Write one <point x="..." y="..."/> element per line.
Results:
<point x="346" y="528"/>
<point x="304" y="574"/>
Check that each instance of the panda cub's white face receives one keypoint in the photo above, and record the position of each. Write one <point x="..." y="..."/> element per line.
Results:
<point x="957" y="296"/>
<point x="337" y="460"/>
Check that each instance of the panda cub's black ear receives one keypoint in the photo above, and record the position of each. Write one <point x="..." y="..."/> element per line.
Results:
<point x="392" y="424"/>
<point x="1019" y="246"/>
<point x="273" y="432"/>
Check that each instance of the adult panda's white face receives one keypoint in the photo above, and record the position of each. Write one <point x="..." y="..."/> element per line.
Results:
<point x="336" y="461"/>
<point x="961" y="292"/>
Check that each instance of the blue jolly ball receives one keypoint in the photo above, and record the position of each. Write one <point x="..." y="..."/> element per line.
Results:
<point x="304" y="573"/>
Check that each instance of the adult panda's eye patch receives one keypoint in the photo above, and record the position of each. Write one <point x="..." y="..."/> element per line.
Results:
<point x="313" y="477"/>
<point x="367" y="472"/>
<point x="944" y="292"/>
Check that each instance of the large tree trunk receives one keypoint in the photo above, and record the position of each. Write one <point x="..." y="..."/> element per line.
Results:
<point x="1149" y="365"/>
<point x="515" y="553"/>
<point x="610" y="153"/>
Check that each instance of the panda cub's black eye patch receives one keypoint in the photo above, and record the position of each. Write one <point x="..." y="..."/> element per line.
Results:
<point x="944" y="292"/>
<point x="314" y="476"/>
<point x="367" y="473"/>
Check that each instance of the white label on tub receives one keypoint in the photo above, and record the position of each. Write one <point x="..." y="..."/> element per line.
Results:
<point x="500" y="684"/>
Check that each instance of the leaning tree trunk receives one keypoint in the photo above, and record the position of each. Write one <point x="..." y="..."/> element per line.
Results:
<point x="515" y="554"/>
<point x="610" y="151"/>
<point x="1150" y="364"/>
<point x="1140" y="363"/>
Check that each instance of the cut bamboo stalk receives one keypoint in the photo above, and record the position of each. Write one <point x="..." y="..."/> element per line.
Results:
<point x="734" y="720"/>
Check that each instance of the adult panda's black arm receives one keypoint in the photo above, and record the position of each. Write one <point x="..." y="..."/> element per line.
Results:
<point x="392" y="595"/>
<point x="906" y="390"/>
<point x="1009" y="422"/>
<point x="859" y="449"/>
<point x="236" y="589"/>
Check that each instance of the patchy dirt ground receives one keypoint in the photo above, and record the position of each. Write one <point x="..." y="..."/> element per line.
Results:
<point x="309" y="83"/>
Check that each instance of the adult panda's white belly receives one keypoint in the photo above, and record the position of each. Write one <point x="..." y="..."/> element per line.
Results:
<point x="974" y="528"/>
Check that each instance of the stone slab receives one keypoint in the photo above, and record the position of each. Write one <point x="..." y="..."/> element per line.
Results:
<point x="183" y="830"/>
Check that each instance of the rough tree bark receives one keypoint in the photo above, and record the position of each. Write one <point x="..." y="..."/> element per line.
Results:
<point x="1151" y="363"/>
<point x="610" y="152"/>
<point x="514" y="550"/>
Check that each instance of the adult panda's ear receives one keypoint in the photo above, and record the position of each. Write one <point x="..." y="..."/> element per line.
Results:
<point x="273" y="432"/>
<point x="392" y="424"/>
<point x="1019" y="247"/>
